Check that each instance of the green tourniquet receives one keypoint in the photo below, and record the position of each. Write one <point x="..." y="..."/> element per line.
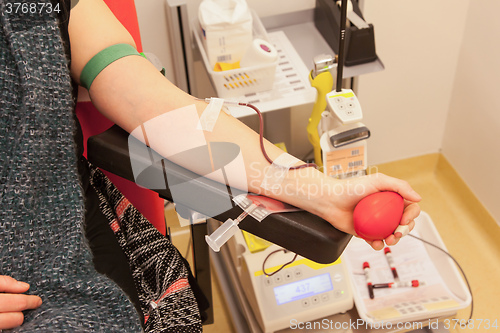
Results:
<point x="102" y="60"/>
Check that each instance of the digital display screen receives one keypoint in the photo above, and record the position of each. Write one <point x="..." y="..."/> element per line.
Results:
<point x="304" y="288"/>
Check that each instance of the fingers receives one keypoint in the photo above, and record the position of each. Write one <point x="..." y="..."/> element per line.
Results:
<point x="377" y="245"/>
<point x="13" y="301"/>
<point x="386" y="183"/>
<point x="11" y="320"/>
<point x="383" y="182"/>
<point x="412" y="209"/>
<point x="11" y="285"/>
<point x="18" y="302"/>
<point x="392" y="240"/>
<point x="411" y="212"/>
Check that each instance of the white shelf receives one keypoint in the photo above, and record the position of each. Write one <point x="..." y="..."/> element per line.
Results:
<point x="291" y="86"/>
<point x="309" y="43"/>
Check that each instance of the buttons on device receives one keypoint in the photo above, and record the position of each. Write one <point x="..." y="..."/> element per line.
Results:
<point x="345" y="105"/>
<point x="317" y="299"/>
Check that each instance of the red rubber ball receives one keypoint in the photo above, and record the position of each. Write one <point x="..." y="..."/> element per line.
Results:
<point x="377" y="215"/>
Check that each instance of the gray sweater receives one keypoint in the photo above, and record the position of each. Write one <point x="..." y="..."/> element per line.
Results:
<point x="41" y="205"/>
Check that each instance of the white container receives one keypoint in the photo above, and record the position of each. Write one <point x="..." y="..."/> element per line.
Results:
<point x="226" y="27"/>
<point x="241" y="81"/>
<point x="446" y="269"/>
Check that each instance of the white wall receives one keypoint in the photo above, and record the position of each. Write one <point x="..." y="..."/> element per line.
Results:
<point x="275" y="7"/>
<point x="472" y="137"/>
<point x="406" y="105"/>
<point x="152" y="18"/>
<point x="438" y="89"/>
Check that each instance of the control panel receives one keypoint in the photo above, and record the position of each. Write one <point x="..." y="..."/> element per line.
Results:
<point x="344" y="105"/>
<point x="302" y="291"/>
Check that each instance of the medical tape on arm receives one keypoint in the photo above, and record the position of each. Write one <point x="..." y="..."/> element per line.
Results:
<point x="211" y="113"/>
<point x="277" y="171"/>
<point x="250" y="208"/>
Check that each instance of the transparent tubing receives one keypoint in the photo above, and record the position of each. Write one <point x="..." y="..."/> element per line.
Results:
<point x="220" y="236"/>
<point x="223" y="233"/>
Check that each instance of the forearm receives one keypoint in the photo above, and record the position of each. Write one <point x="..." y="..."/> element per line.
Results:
<point x="131" y="100"/>
<point x="131" y="92"/>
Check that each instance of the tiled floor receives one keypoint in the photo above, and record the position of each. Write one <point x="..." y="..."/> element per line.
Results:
<point x="469" y="232"/>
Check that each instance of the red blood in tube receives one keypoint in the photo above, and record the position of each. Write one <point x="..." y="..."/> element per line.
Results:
<point x="377" y="215"/>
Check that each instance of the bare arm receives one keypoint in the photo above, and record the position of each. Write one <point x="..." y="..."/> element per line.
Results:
<point x="130" y="92"/>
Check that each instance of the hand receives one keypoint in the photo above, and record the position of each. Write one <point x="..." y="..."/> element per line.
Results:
<point x="13" y="302"/>
<point x="353" y="190"/>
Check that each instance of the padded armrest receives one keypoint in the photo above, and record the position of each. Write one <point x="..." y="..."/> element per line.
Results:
<point x="300" y="232"/>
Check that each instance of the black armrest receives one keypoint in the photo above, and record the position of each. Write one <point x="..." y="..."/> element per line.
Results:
<point x="300" y="232"/>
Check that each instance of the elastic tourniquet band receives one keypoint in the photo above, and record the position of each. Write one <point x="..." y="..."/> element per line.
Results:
<point x="103" y="59"/>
